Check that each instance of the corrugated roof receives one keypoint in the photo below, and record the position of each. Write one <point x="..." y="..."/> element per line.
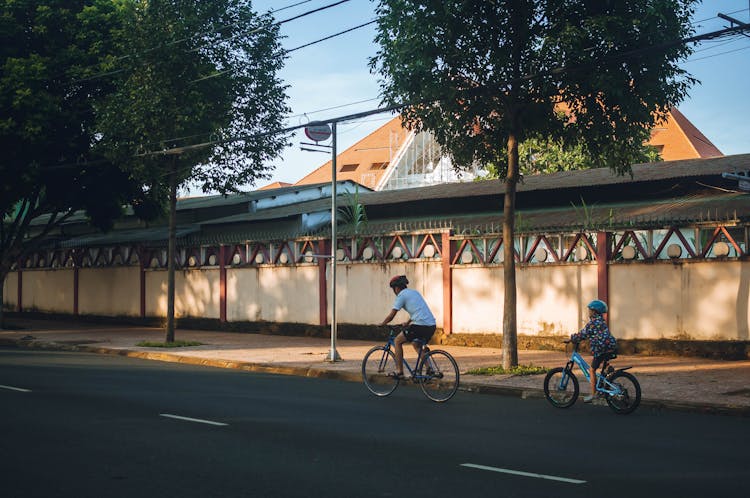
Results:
<point x="239" y="198"/>
<point x="693" y="210"/>
<point x="139" y="235"/>
<point x="567" y="179"/>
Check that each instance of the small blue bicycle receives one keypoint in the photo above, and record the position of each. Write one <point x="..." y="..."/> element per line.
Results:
<point x="620" y="388"/>
<point x="435" y="371"/>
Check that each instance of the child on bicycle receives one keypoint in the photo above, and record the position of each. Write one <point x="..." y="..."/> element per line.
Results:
<point x="421" y="323"/>
<point x="602" y="343"/>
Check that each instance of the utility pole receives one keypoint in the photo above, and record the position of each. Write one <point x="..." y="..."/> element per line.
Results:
<point x="320" y="132"/>
<point x="333" y="355"/>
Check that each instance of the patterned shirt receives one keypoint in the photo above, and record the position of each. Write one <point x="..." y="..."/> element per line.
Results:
<point x="597" y="332"/>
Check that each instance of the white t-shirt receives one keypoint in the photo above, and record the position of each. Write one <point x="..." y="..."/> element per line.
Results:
<point x="414" y="304"/>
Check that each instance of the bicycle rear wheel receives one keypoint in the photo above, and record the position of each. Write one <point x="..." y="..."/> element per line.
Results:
<point x="561" y="388"/>
<point x="376" y="365"/>
<point x="629" y="397"/>
<point x="438" y="376"/>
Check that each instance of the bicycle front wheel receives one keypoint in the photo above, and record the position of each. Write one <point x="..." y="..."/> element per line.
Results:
<point x="629" y="396"/>
<point x="438" y="376"/>
<point x="376" y="366"/>
<point x="561" y="388"/>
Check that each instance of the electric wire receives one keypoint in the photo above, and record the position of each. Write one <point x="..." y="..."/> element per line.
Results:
<point x="559" y="70"/>
<point x="717" y="55"/>
<point x="207" y="44"/>
<point x="393" y="108"/>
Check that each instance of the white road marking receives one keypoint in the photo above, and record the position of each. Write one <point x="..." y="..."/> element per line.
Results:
<point x="200" y="421"/>
<point x="525" y="474"/>
<point x="15" y="389"/>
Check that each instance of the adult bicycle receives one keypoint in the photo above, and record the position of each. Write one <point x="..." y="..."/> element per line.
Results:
<point x="619" y="388"/>
<point x="435" y="371"/>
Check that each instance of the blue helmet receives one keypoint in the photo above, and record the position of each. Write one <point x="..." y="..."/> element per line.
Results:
<point x="598" y="306"/>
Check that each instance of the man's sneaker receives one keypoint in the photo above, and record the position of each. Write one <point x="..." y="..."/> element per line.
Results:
<point x="589" y="398"/>
<point x="396" y="375"/>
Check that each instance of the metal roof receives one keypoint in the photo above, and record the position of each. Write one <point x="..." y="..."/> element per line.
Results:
<point x="641" y="173"/>
<point x="691" y="210"/>
<point x="476" y="207"/>
<point x="155" y="235"/>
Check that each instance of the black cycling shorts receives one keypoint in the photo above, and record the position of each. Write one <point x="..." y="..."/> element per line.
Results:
<point x="423" y="332"/>
<point x="598" y="360"/>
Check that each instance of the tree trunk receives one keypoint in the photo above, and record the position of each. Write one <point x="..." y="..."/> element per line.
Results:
<point x="171" y="250"/>
<point x="510" y="337"/>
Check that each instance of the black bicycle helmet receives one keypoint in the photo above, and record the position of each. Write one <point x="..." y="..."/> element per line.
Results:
<point x="399" y="281"/>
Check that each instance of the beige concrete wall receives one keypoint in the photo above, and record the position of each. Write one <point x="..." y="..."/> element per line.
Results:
<point x="550" y="299"/>
<point x="689" y="300"/>
<point x="48" y="290"/>
<point x="696" y="300"/>
<point x="10" y="291"/>
<point x="196" y="293"/>
<point x="276" y="294"/>
<point x="363" y="295"/>
<point x="109" y="291"/>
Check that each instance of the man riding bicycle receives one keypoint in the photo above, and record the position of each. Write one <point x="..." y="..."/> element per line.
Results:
<point x="602" y="343"/>
<point x="421" y="323"/>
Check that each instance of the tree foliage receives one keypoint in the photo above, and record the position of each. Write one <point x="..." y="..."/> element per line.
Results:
<point x="195" y="76"/>
<point x="541" y="156"/>
<point x="485" y="76"/>
<point x="49" y="50"/>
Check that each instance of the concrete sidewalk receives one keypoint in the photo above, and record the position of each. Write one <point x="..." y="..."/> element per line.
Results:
<point x="667" y="382"/>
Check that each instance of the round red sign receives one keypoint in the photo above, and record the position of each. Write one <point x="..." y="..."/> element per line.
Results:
<point x="318" y="133"/>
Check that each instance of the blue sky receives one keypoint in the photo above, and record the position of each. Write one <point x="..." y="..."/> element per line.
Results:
<point x="335" y="73"/>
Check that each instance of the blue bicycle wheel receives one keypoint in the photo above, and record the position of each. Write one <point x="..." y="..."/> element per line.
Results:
<point x="561" y="388"/>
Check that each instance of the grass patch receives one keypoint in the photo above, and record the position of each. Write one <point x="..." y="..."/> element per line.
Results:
<point x="518" y="370"/>
<point x="175" y="344"/>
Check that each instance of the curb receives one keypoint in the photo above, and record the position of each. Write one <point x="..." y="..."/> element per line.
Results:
<point x="470" y="387"/>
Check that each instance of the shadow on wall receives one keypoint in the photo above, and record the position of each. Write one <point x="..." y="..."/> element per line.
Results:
<point x="562" y="286"/>
<point x="193" y="295"/>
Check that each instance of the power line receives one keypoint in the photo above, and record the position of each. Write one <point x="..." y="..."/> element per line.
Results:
<point x="220" y="73"/>
<point x="717" y="17"/>
<point x="215" y="31"/>
<point x="613" y="58"/>
<point x="396" y="107"/>
<point x="332" y="36"/>
<point x="717" y="55"/>
<point x="332" y="108"/>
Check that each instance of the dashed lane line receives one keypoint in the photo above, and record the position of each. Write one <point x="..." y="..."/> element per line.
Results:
<point x="19" y="389"/>
<point x="521" y="473"/>
<point x="189" y="419"/>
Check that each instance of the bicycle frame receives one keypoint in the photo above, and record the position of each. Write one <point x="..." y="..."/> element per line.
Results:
<point x="392" y="343"/>
<point x="603" y="385"/>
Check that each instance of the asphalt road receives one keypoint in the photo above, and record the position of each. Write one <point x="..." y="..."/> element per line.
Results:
<point x="85" y="425"/>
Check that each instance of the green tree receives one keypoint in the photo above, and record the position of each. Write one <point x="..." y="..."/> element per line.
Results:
<point x="484" y="76"/>
<point x="48" y="52"/>
<point x="196" y="75"/>
<point x="544" y="155"/>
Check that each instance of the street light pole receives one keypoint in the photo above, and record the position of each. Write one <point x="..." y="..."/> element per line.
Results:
<point x="333" y="355"/>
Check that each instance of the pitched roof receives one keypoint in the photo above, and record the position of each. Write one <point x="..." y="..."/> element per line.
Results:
<point x="275" y="185"/>
<point x="365" y="161"/>
<point x="678" y="139"/>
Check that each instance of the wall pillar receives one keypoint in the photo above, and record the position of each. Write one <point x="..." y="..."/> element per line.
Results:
<point x="75" y="289"/>
<point x="142" y="274"/>
<point x="322" y="284"/>
<point x="602" y="265"/>
<point x="222" y="284"/>
<point x="19" y="303"/>
<point x="446" y="256"/>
